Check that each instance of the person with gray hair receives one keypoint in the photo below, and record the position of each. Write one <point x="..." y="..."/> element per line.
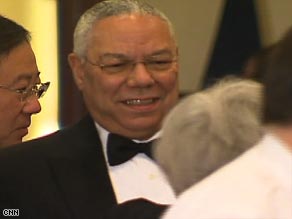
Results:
<point x="209" y="129"/>
<point x="257" y="184"/>
<point x="107" y="9"/>
<point x="125" y="63"/>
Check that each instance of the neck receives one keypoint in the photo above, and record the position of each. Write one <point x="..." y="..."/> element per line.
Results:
<point x="284" y="133"/>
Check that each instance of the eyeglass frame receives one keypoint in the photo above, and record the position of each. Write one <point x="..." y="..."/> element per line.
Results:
<point x="131" y="63"/>
<point x="38" y="90"/>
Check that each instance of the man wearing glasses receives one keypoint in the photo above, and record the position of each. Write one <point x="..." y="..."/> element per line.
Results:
<point x="125" y="63"/>
<point x="20" y="85"/>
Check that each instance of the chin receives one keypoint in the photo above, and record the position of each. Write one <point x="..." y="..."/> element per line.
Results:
<point x="144" y="130"/>
<point x="9" y="143"/>
<point x="15" y="141"/>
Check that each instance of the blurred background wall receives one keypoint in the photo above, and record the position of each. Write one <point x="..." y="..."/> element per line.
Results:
<point x="197" y="23"/>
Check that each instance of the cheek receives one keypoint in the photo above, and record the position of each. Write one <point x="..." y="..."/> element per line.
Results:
<point x="9" y="105"/>
<point x="106" y="85"/>
<point x="9" y="111"/>
<point x="102" y="89"/>
<point x="169" y="82"/>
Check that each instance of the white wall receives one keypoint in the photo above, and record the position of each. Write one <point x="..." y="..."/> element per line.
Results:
<point x="196" y="22"/>
<point x="275" y="19"/>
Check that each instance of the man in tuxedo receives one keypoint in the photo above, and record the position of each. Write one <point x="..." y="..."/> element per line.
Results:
<point x="20" y="85"/>
<point x="125" y="64"/>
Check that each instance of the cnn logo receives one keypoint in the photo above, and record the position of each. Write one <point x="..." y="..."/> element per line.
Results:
<point x="10" y="212"/>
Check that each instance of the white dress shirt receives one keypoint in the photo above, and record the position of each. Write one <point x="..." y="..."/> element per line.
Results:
<point x="140" y="177"/>
<point x="257" y="185"/>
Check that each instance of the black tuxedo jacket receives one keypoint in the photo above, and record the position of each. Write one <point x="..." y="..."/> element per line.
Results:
<point x="62" y="175"/>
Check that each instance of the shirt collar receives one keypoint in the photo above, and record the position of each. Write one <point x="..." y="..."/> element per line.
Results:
<point x="103" y="135"/>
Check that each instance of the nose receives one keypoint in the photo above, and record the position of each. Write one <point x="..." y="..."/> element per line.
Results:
<point x="32" y="105"/>
<point x="140" y="76"/>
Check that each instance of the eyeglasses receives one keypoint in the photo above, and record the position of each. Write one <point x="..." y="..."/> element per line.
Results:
<point x="37" y="90"/>
<point x="153" y="66"/>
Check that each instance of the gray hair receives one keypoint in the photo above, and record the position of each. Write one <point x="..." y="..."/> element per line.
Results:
<point x="106" y="9"/>
<point x="208" y="129"/>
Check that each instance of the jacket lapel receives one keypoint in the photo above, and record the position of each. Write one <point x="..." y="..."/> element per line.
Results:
<point x="81" y="172"/>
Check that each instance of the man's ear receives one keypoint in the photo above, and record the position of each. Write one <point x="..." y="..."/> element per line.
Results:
<point x="77" y="69"/>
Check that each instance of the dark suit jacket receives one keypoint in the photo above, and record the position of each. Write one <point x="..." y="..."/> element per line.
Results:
<point x="62" y="175"/>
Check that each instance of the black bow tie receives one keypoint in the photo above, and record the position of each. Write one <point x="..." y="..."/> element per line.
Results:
<point x="121" y="149"/>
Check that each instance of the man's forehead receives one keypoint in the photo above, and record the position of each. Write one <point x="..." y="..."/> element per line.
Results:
<point x="129" y="19"/>
<point x="161" y="52"/>
<point x="13" y="78"/>
<point x="27" y="76"/>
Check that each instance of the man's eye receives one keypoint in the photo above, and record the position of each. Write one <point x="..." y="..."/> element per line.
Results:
<point x="21" y="90"/>
<point x="159" y="63"/>
<point x="117" y="65"/>
<point x="115" y="68"/>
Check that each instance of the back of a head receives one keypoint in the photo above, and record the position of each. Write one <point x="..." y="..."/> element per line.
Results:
<point x="208" y="129"/>
<point x="106" y="9"/>
<point x="278" y="84"/>
<point x="11" y="35"/>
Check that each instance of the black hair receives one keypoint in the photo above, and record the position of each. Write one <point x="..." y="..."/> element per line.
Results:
<point x="11" y="35"/>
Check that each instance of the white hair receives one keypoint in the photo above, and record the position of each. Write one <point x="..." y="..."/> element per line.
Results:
<point x="106" y="9"/>
<point x="208" y="129"/>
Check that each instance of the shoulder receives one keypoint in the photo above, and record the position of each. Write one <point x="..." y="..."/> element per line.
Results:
<point x="28" y="155"/>
<point x="240" y="189"/>
<point x="65" y="142"/>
